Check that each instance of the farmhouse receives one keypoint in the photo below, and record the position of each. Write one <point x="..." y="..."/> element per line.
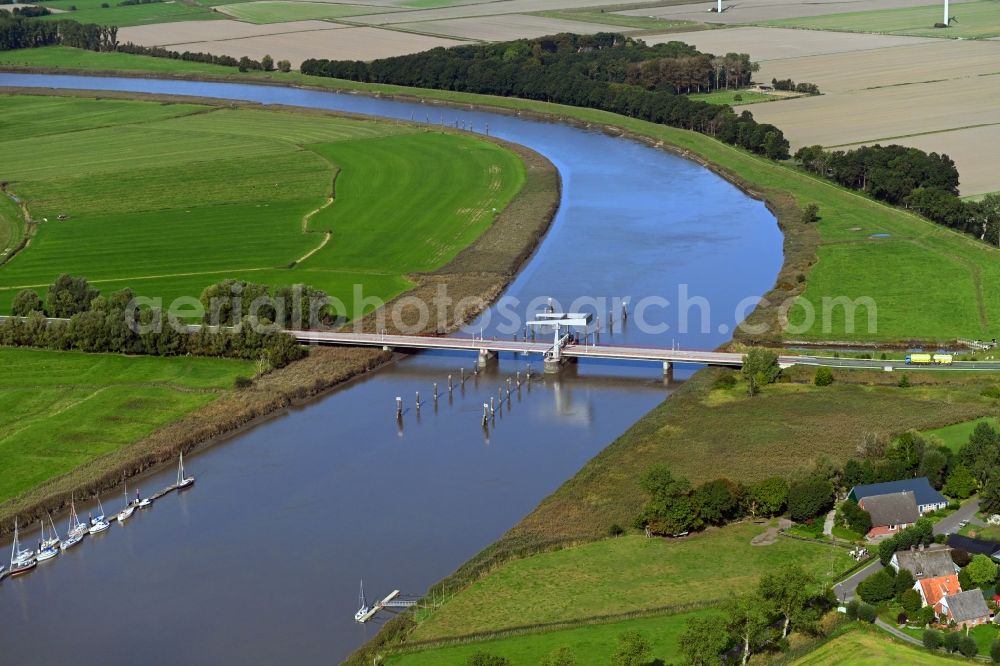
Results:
<point x="889" y="513"/>
<point x="966" y="609"/>
<point x="926" y="497"/>
<point x="930" y="562"/>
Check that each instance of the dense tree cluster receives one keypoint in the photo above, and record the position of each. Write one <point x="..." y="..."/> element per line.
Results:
<point x="792" y="86"/>
<point x="95" y="323"/>
<point x="29" y="12"/>
<point x="244" y="63"/>
<point x="675" y="506"/>
<point x="924" y="182"/>
<point x="19" y="32"/>
<point x="604" y="71"/>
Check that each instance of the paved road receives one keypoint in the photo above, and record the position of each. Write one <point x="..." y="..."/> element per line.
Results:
<point x="947" y="525"/>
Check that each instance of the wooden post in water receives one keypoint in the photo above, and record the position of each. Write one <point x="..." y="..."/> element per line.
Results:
<point x="435" y="392"/>
<point x="418" y="401"/>
<point x="450" y="386"/>
<point x="399" y="408"/>
<point x="486" y="417"/>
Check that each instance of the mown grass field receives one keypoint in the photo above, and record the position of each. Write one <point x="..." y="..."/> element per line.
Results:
<point x="90" y="11"/>
<point x="11" y="224"/>
<point x="729" y="97"/>
<point x="59" y="410"/>
<point x="157" y="194"/>
<point x="851" y="264"/>
<point x="975" y="20"/>
<point x="957" y="435"/>
<point x="873" y="648"/>
<point x="590" y="645"/>
<point x="626" y="574"/>
<point x="280" y="11"/>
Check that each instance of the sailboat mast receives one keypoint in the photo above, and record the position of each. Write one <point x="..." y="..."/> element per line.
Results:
<point x="13" y="548"/>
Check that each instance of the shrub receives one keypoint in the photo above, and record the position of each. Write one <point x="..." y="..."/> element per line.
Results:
<point x="852" y="609"/>
<point x="951" y="640"/>
<point x="877" y="588"/>
<point x="284" y="66"/>
<point x="737" y="97"/>
<point x="857" y="519"/>
<point x="809" y="498"/>
<point x="616" y="530"/>
<point x="911" y="601"/>
<point x="902" y="583"/>
<point x="904" y="381"/>
<point x="810" y="213"/>
<point x="242" y="382"/>
<point x="967" y="646"/>
<point x="824" y="376"/>
<point x="932" y="639"/>
<point x="726" y="381"/>
<point x="995" y="651"/>
<point x="866" y="613"/>
<point x="486" y="659"/>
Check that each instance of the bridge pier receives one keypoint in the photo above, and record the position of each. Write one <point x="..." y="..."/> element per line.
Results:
<point x="553" y="365"/>
<point x="668" y="372"/>
<point x="485" y="357"/>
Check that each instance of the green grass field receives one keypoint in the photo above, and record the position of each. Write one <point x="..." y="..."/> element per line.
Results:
<point x="59" y="410"/>
<point x="11" y="224"/>
<point x="975" y="20"/>
<point x="873" y="648"/>
<point x="64" y="56"/>
<point x="957" y="435"/>
<point x="593" y="15"/>
<point x="851" y="263"/>
<point x="590" y="645"/>
<point x="279" y="11"/>
<point x="182" y="182"/>
<point x="729" y="97"/>
<point x="622" y="575"/>
<point x="90" y="11"/>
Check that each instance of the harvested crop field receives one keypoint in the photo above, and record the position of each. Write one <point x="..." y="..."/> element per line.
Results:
<point x="505" y="27"/>
<point x="913" y="63"/>
<point x="184" y="32"/>
<point x="436" y="12"/>
<point x="755" y="11"/>
<point x="343" y="44"/>
<point x="916" y="94"/>
<point x="765" y="44"/>
<point x="278" y="11"/>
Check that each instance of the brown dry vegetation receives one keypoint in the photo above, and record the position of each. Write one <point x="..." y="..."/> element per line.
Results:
<point x="481" y="270"/>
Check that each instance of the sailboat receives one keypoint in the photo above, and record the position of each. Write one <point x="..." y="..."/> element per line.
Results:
<point x="128" y="509"/>
<point x="182" y="481"/>
<point x="97" y="523"/>
<point x="49" y="548"/>
<point x="363" y="607"/>
<point x="76" y="529"/>
<point x="21" y="561"/>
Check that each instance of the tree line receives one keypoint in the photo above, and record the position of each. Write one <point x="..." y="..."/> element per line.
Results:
<point x="91" y="322"/>
<point x="605" y="71"/>
<point x="926" y="183"/>
<point x="17" y="32"/>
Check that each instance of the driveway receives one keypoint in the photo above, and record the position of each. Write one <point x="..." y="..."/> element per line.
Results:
<point x="949" y="524"/>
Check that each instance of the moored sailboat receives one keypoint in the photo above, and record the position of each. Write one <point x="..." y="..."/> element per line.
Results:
<point x="128" y="509"/>
<point x="97" y="523"/>
<point x="182" y="480"/>
<point x="76" y="529"/>
<point x="48" y="547"/>
<point x="21" y="560"/>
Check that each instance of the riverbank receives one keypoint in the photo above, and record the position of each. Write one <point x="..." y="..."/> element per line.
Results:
<point x="481" y="271"/>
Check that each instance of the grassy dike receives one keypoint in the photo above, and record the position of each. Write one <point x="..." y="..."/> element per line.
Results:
<point x="482" y="269"/>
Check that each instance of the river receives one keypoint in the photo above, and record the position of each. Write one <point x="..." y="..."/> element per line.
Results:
<point x="260" y="561"/>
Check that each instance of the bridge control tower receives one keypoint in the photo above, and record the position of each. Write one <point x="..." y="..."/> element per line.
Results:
<point x="562" y="325"/>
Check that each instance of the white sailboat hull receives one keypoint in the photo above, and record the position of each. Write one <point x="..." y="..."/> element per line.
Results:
<point x="99" y="527"/>
<point x="71" y="541"/>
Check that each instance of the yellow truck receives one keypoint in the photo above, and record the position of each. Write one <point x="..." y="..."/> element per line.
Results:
<point x="929" y="359"/>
